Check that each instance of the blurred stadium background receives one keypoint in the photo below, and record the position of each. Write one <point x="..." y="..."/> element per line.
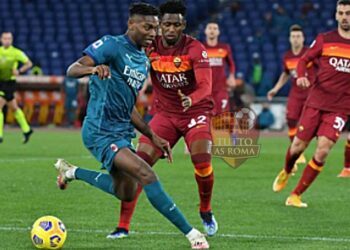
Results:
<point x="54" y="32"/>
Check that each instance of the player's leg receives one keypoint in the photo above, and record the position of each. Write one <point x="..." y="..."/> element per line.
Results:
<point x="308" y="126"/>
<point x="199" y="141"/>
<point x="69" y="172"/>
<point x="331" y="125"/>
<point x="138" y="169"/>
<point x="2" y="119"/>
<point x="21" y="120"/>
<point x="294" y="111"/>
<point x="164" y="128"/>
<point x="345" y="173"/>
<point x="150" y="155"/>
<point x="311" y="171"/>
<point x="204" y="175"/>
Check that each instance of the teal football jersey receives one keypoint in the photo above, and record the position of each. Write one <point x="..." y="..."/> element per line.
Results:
<point x="112" y="100"/>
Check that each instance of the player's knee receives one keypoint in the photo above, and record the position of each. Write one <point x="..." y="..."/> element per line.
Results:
<point x="202" y="164"/>
<point x="298" y="146"/>
<point x="322" y="153"/>
<point x="146" y="175"/>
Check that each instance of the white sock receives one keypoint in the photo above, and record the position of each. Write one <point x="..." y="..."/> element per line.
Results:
<point x="70" y="174"/>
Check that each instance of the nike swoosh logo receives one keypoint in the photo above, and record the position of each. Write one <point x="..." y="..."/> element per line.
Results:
<point x="173" y="207"/>
<point x="98" y="176"/>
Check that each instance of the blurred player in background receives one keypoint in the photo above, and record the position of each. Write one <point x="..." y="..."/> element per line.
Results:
<point x="297" y="96"/>
<point x="119" y="67"/>
<point x="327" y="106"/>
<point x="181" y="79"/>
<point x="220" y="59"/>
<point x="10" y="57"/>
<point x="345" y="173"/>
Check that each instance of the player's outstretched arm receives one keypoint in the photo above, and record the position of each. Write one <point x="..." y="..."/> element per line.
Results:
<point x="142" y="126"/>
<point x="85" y="66"/>
<point x="282" y="80"/>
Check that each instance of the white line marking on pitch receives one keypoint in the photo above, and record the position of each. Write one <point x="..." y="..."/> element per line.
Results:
<point x="24" y="159"/>
<point x="246" y="236"/>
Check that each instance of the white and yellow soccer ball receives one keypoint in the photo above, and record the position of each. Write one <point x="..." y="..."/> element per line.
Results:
<point x="48" y="232"/>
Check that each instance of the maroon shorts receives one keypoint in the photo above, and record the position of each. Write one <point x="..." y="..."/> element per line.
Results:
<point x="172" y="128"/>
<point x="294" y="108"/>
<point x="315" y="122"/>
<point x="221" y="102"/>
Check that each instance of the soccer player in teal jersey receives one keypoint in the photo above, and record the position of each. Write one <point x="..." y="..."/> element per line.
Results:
<point x="118" y="68"/>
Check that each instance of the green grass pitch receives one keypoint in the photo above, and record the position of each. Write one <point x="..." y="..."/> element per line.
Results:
<point x="250" y="215"/>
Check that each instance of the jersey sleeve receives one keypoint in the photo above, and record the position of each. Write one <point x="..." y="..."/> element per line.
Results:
<point x="230" y="61"/>
<point x="103" y="50"/>
<point x="22" y="57"/>
<point x="285" y="67"/>
<point x="202" y="71"/>
<point x="199" y="56"/>
<point x="310" y="55"/>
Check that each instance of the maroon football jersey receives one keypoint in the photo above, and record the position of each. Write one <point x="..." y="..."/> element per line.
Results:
<point x="220" y="57"/>
<point x="331" y="91"/>
<point x="174" y="69"/>
<point x="290" y="62"/>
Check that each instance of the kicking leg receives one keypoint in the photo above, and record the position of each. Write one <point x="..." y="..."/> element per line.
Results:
<point x="137" y="168"/>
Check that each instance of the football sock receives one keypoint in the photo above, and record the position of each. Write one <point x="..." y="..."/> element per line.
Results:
<point x="1" y="123"/>
<point x="127" y="210"/>
<point x="96" y="179"/>
<point x="346" y="155"/>
<point x="205" y="188"/>
<point x="291" y="133"/>
<point x="290" y="161"/>
<point x="205" y="179"/>
<point x="163" y="203"/>
<point x="21" y="119"/>
<point x="310" y="173"/>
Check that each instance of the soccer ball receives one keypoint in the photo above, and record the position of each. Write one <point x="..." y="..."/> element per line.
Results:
<point x="48" y="232"/>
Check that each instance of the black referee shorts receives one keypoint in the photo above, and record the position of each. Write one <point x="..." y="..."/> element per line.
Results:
<point x="7" y="90"/>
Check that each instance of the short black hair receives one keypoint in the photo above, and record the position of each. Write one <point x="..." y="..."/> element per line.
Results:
<point x="213" y="20"/>
<point x="144" y="9"/>
<point x="172" y="7"/>
<point x="343" y="2"/>
<point x="295" y="27"/>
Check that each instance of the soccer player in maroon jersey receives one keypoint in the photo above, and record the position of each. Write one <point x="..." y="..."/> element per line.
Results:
<point x="297" y="96"/>
<point x="327" y="106"/>
<point x="220" y="58"/>
<point x="345" y="173"/>
<point x="181" y="79"/>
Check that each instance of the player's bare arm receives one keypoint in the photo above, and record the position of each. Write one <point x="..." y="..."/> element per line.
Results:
<point x="282" y="80"/>
<point x="85" y="66"/>
<point x="231" y="81"/>
<point x="141" y="126"/>
<point x="23" y="69"/>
